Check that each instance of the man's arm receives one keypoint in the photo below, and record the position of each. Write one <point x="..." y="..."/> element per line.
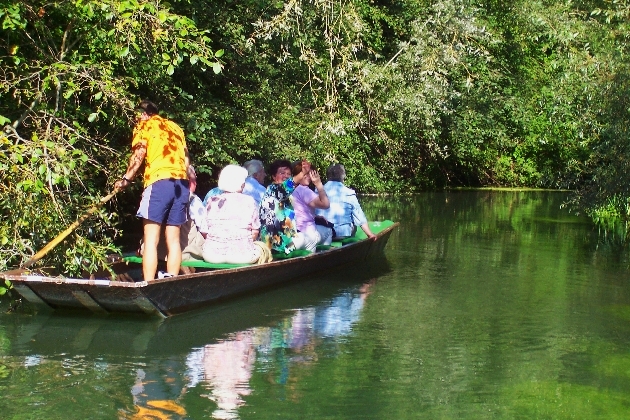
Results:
<point x="358" y="217"/>
<point x="135" y="162"/>
<point x="368" y="232"/>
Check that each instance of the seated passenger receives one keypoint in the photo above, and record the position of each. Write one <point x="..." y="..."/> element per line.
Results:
<point x="345" y="211"/>
<point x="211" y="193"/>
<point x="277" y="217"/>
<point x="193" y="233"/>
<point x="255" y="181"/>
<point x="305" y="201"/>
<point x="232" y="223"/>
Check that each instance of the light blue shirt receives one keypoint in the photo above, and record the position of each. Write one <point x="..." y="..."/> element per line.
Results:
<point x="254" y="189"/>
<point x="197" y="212"/>
<point x="211" y="193"/>
<point x="344" y="211"/>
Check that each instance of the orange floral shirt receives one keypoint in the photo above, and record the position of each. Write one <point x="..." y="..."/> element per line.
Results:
<point x="166" y="149"/>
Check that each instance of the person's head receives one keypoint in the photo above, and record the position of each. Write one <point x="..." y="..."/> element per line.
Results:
<point x="232" y="178"/>
<point x="280" y="170"/>
<point x="297" y="169"/>
<point x="256" y="170"/>
<point x="147" y="107"/>
<point x="336" y="172"/>
<point x="192" y="178"/>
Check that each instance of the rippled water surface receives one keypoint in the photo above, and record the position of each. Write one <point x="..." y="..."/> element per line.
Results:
<point x="487" y="305"/>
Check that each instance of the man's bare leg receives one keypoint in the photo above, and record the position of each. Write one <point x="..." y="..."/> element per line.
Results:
<point x="174" y="259"/>
<point x="149" y="255"/>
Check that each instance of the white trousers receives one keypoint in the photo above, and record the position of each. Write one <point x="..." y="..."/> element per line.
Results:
<point x="310" y="239"/>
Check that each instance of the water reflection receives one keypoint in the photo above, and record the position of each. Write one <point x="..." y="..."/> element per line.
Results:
<point x="496" y="305"/>
<point x="195" y="365"/>
<point x="157" y="392"/>
<point x="224" y="369"/>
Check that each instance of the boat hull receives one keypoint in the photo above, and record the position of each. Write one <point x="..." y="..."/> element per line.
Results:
<point x="166" y="297"/>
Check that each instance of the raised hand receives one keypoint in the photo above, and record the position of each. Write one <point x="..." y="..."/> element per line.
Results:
<point x="315" y="178"/>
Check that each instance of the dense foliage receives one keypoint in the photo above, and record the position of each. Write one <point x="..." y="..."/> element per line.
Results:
<point x="408" y="95"/>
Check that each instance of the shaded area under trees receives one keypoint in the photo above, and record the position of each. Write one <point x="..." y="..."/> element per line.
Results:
<point x="409" y="96"/>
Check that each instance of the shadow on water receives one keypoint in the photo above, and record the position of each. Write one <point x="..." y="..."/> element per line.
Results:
<point x="50" y="334"/>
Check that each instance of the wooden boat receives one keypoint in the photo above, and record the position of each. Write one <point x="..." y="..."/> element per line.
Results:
<point x="170" y="296"/>
<point x="52" y="333"/>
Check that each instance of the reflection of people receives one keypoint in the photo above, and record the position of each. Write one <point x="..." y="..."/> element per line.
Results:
<point x="344" y="211"/>
<point x="157" y="392"/>
<point x="166" y="194"/>
<point x="305" y="201"/>
<point x="232" y="222"/>
<point x="255" y="181"/>
<point x="228" y="367"/>
<point x="277" y="217"/>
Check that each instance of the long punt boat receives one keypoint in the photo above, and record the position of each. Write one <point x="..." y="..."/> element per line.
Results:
<point x="128" y="293"/>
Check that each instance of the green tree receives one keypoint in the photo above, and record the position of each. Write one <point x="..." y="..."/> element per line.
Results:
<point x="71" y="73"/>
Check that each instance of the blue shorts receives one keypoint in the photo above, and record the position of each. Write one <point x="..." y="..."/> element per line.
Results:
<point x="166" y="201"/>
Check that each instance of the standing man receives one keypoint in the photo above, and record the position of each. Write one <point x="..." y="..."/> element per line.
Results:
<point x="166" y="189"/>
<point x="255" y="181"/>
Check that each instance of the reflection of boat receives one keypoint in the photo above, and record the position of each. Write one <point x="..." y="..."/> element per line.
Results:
<point x="181" y="293"/>
<point x="53" y="334"/>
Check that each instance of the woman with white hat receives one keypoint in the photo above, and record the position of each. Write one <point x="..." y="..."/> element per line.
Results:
<point x="233" y="223"/>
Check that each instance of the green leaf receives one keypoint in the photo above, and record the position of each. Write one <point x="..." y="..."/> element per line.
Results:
<point x="170" y="70"/>
<point x="219" y="53"/>
<point x="124" y="52"/>
<point x="194" y="59"/>
<point x="98" y="95"/>
<point x="92" y="116"/>
<point x="217" y="67"/>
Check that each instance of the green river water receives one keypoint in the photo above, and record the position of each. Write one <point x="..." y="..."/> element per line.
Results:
<point x="488" y="305"/>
